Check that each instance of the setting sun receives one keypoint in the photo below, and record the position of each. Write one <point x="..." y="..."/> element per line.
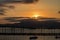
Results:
<point x="36" y="16"/>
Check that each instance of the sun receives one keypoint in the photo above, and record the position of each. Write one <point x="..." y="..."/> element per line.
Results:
<point x="36" y="16"/>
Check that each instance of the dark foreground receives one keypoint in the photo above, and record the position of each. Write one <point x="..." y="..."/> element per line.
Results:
<point x="33" y="24"/>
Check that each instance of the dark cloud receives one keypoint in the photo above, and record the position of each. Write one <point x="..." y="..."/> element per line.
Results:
<point x="18" y="1"/>
<point x="2" y="12"/>
<point x="15" y="19"/>
<point x="11" y="19"/>
<point x="30" y="1"/>
<point x="59" y="12"/>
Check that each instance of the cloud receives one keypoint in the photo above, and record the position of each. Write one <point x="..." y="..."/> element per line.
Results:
<point x="14" y="19"/>
<point x="18" y="1"/>
<point x="59" y="12"/>
<point x="11" y="19"/>
<point x="28" y="1"/>
<point x="1" y="13"/>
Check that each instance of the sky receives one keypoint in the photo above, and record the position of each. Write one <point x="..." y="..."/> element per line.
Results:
<point x="43" y="8"/>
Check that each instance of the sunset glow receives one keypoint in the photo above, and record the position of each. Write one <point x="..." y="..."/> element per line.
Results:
<point x="36" y="16"/>
<point x="42" y="8"/>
